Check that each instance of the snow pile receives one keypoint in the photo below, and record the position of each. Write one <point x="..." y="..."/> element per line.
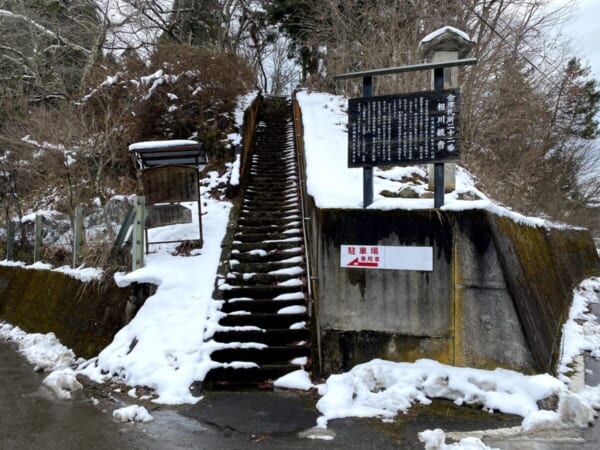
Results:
<point x="132" y="413"/>
<point x="384" y="388"/>
<point x="44" y="351"/>
<point x="574" y="409"/>
<point x="581" y="331"/>
<point x="436" y="440"/>
<point x="63" y="382"/>
<point x="298" y="379"/>
<point x="166" y="346"/>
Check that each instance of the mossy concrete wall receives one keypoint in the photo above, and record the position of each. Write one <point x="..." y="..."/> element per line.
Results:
<point x="488" y="332"/>
<point x="497" y="296"/>
<point x="84" y="316"/>
<point x="542" y="266"/>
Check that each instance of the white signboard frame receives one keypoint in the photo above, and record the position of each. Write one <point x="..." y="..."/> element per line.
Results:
<point x="396" y="257"/>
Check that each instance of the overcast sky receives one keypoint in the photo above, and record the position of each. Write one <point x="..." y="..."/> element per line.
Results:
<point x="584" y="28"/>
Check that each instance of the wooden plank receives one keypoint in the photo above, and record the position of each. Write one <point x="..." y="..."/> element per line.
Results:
<point x="170" y="184"/>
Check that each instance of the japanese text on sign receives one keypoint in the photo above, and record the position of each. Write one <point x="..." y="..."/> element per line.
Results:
<point x="403" y="129"/>
<point x="386" y="257"/>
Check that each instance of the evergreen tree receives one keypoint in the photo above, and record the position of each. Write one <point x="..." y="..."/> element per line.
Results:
<point x="577" y="103"/>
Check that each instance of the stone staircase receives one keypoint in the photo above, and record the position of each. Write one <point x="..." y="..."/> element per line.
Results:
<point x="265" y="327"/>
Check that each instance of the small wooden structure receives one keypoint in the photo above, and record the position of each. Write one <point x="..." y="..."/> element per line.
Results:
<point x="171" y="152"/>
<point x="169" y="174"/>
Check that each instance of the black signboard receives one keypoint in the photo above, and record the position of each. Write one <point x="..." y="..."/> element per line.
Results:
<point x="415" y="128"/>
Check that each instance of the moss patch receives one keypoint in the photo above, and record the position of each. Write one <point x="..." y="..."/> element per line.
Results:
<point x="84" y="316"/>
<point x="542" y="266"/>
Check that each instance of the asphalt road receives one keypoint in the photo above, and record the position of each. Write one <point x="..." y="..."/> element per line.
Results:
<point x="32" y="418"/>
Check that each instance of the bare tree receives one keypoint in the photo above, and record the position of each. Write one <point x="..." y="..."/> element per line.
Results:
<point x="521" y="132"/>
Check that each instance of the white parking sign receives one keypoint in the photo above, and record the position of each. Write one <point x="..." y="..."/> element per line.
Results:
<point x="386" y="257"/>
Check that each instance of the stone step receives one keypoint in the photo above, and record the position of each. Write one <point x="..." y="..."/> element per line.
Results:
<point x="271" y="208"/>
<point x="275" y="161"/>
<point x="274" y="178"/>
<point x="266" y="374"/>
<point x="268" y="337"/>
<point x="271" y="256"/>
<point x="265" y="237"/>
<point x="262" y="279"/>
<point x="266" y="267"/>
<point x="281" y="216"/>
<point x="267" y="321"/>
<point x="290" y="196"/>
<point x="257" y="198"/>
<point x="274" y="185"/>
<point x="281" y="168"/>
<point x="282" y="355"/>
<point x="271" y="202"/>
<point x="258" y="221"/>
<point x="260" y="306"/>
<point x="273" y="228"/>
<point x="257" y="292"/>
<point x="266" y="246"/>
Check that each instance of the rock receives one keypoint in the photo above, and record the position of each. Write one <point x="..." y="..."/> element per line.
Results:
<point x="406" y="192"/>
<point x="549" y="403"/>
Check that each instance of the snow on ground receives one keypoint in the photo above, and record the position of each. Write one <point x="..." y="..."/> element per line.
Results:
<point x="334" y="185"/>
<point x="167" y="345"/>
<point x="167" y="362"/>
<point x="383" y="388"/>
<point x="132" y="413"/>
<point x="44" y="351"/>
<point x="581" y="331"/>
<point x="436" y="440"/>
<point x="298" y="379"/>
<point x="81" y="273"/>
<point x="63" y="382"/>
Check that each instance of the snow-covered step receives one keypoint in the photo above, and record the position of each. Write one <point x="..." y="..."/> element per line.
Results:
<point x="264" y="291"/>
<point x="261" y="306"/>
<point x="275" y="336"/>
<point x="267" y="355"/>
<point x="263" y="320"/>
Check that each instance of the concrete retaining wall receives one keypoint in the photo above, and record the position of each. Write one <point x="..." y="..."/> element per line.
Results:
<point x="485" y="304"/>
<point x="84" y="316"/>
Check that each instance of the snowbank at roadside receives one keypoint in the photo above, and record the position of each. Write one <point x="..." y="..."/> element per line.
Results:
<point x="384" y="388"/>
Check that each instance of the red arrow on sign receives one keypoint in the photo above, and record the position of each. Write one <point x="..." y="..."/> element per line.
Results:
<point x="356" y="263"/>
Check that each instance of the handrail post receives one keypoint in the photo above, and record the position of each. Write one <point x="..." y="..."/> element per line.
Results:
<point x="77" y="233"/>
<point x="38" y="231"/>
<point x="10" y="240"/>
<point x="137" y="247"/>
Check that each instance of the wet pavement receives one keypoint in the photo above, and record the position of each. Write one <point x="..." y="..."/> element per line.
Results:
<point x="31" y="417"/>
